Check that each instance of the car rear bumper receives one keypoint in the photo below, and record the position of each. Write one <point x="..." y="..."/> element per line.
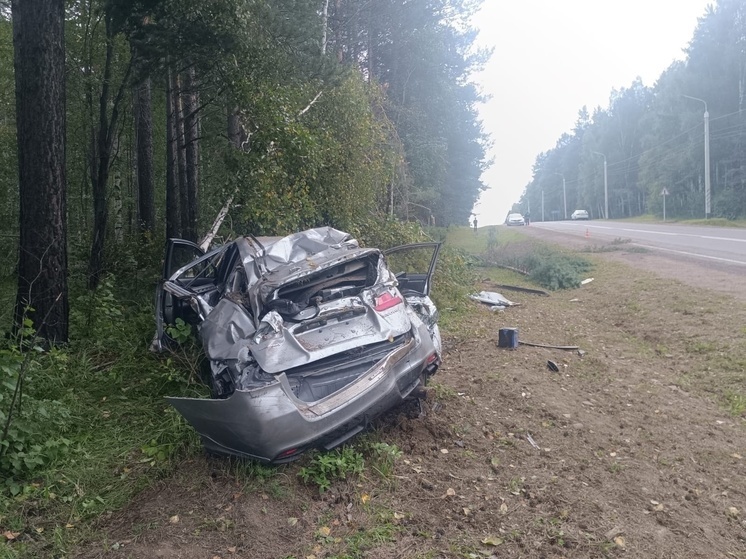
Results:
<point x="270" y="424"/>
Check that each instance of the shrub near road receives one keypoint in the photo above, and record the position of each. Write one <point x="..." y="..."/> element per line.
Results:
<point x="640" y="447"/>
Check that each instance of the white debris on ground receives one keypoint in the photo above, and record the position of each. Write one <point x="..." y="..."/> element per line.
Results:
<point x="495" y="300"/>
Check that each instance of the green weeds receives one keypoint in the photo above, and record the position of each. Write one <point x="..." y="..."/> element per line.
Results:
<point x="30" y="434"/>
<point x="383" y="458"/>
<point x="326" y="467"/>
<point x="443" y="392"/>
<point x="736" y="404"/>
<point x="90" y="427"/>
<point x="341" y="463"/>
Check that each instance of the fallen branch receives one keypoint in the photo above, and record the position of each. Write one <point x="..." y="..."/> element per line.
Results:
<point x="566" y="347"/>
<point x="505" y="267"/>
<point x="523" y="289"/>
<point x="208" y="238"/>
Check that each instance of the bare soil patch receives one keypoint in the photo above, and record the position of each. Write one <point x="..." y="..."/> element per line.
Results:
<point x="640" y="447"/>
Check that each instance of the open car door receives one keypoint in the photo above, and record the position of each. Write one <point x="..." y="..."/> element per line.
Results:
<point x="414" y="266"/>
<point x="187" y="272"/>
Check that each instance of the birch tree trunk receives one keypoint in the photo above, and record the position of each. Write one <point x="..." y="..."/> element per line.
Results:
<point x="144" y="156"/>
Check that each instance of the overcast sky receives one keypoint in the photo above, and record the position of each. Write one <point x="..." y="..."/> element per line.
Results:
<point x="552" y="57"/>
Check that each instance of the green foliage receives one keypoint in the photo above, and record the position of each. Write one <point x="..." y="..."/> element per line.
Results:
<point x="556" y="270"/>
<point x="92" y="428"/>
<point x="383" y="457"/>
<point x="736" y="404"/>
<point x="8" y="152"/>
<point x="97" y="314"/>
<point x="545" y="265"/>
<point x="180" y="331"/>
<point x="31" y="426"/>
<point x="326" y="467"/>
<point x="454" y="279"/>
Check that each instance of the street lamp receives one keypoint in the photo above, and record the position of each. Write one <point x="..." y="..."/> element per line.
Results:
<point x="564" y="192"/>
<point x="606" y="187"/>
<point x="707" y="154"/>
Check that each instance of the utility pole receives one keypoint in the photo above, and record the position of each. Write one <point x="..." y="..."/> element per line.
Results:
<point x="707" y="155"/>
<point x="542" y="204"/>
<point x="606" y="187"/>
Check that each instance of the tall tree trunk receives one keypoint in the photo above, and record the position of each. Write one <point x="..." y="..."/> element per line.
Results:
<point x="324" y="26"/>
<point x="338" y="33"/>
<point x="144" y="142"/>
<point x="100" y="170"/>
<point x="39" y="60"/>
<point x="181" y="157"/>
<point x="191" y="136"/>
<point x="173" y="215"/>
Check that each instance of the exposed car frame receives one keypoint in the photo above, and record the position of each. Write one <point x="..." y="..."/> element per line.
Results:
<point x="308" y="337"/>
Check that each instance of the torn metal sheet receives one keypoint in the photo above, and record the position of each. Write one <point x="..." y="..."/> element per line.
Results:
<point x="297" y="329"/>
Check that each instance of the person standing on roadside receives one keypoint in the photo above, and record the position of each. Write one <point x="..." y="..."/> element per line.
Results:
<point x="475" y="224"/>
<point x="527" y="218"/>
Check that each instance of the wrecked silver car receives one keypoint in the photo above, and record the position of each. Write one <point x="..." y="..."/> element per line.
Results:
<point x="308" y="337"/>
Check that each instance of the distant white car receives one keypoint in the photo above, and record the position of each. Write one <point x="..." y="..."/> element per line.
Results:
<point x="515" y="219"/>
<point x="580" y="214"/>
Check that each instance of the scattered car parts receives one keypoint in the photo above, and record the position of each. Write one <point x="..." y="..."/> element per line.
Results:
<point x="493" y="299"/>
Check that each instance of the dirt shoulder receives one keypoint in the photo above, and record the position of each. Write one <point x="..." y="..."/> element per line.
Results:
<point x="636" y="447"/>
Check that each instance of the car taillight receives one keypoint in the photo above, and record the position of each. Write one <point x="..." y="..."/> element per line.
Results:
<point x="386" y="301"/>
<point x="433" y="357"/>
<point x="287" y="453"/>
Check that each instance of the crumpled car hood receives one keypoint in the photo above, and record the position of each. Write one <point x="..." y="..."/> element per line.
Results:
<point x="296" y="267"/>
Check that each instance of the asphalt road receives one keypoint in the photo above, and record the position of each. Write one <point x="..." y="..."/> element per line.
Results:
<point x="723" y="245"/>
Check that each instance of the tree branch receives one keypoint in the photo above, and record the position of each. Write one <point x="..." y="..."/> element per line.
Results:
<point x="208" y="238"/>
<point x="304" y="111"/>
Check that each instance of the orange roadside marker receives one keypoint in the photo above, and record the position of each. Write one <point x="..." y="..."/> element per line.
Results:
<point x="587" y="233"/>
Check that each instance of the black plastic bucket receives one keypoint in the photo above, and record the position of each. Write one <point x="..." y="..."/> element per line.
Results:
<point x="508" y="338"/>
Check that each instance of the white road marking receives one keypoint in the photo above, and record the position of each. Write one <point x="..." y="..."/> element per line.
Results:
<point x="742" y="263"/>
<point x="682" y="252"/>
<point x="669" y="234"/>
